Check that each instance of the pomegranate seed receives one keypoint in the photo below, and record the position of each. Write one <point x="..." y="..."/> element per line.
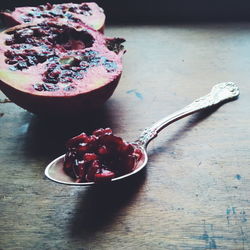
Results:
<point x="18" y="58"/>
<point x="72" y="9"/>
<point x="98" y="132"/>
<point x="84" y="64"/>
<point x="85" y="7"/>
<point x="26" y="19"/>
<point x="90" y="157"/>
<point x="66" y="79"/>
<point x="10" y="61"/>
<point x="41" y="7"/>
<point x="103" y="150"/>
<point x="60" y="48"/>
<point x="9" y="41"/>
<point x="130" y="163"/>
<point x="49" y="6"/>
<point x="38" y="87"/>
<point x="138" y="153"/>
<point x="81" y="169"/>
<point x="76" y="140"/>
<point x="68" y="162"/>
<point x="92" y="170"/>
<point x="91" y="139"/>
<point x="52" y="66"/>
<point x="108" y="131"/>
<point x="126" y="148"/>
<point x="54" y="74"/>
<point x="111" y="141"/>
<point x="9" y="53"/>
<point x="82" y="148"/>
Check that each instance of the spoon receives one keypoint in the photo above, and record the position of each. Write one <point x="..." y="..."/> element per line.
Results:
<point x="220" y="93"/>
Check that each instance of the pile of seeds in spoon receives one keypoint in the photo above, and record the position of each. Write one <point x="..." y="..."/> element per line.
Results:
<point x="99" y="157"/>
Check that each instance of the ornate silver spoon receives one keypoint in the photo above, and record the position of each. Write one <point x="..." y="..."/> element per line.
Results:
<point x="220" y="93"/>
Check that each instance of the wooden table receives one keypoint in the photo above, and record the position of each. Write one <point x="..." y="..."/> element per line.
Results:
<point x="194" y="193"/>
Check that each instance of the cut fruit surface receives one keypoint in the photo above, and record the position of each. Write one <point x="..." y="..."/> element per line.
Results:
<point x="88" y="13"/>
<point x="54" y="68"/>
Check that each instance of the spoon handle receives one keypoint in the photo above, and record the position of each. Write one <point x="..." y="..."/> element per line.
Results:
<point x="219" y="93"/>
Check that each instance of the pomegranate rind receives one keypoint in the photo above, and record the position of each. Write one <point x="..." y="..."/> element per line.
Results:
<point x="60" y="105"/>
<point x="90" y="92"/>
<point x="96" y="20"/>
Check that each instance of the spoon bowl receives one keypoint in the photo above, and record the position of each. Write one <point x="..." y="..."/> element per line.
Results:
<point x="54" y="171"/>
<point x="219" y="94"/>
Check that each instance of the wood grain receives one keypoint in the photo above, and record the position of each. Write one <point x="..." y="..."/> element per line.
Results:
<point x="194" y="193"/>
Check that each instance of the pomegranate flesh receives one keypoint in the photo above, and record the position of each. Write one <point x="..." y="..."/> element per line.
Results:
<point x="89" y="13"/>
<point x="52" y="68"/>
<point x="99" y="157"/>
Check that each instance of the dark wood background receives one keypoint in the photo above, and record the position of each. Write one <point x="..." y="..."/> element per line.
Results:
<point x="194" y="193"/>
<point x="160" y="10"/>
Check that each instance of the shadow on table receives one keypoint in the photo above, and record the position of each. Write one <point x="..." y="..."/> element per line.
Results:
<point x="194" y="120"/>
<point x="100" y="205"/>
<point x="46" y="136"/>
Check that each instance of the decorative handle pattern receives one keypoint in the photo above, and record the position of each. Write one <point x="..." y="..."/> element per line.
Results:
<point x="219" y="93"/>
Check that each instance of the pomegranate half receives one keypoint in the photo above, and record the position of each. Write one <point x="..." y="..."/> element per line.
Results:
<point x="58" y="69"/>
<point x="89" y="13"/>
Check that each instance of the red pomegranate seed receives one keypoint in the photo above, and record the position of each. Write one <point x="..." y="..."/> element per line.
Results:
<point x="95" y="165"/>
<point x="103" y="150"/>
<point x="98" y="132"/>
<point x="52" y="66"/>
<point x="9" y="41"/>
<point x="77" y="139"/>
<point x="49" y="6"/>
<point x="111" y="141"/>
<point x="138" y="153"/>
<point x="126" y="148"/>
<point x="9" y="53"/>
<point x="81" y="169"/>
<point x="54" y="74"/>
<point x="102" y="132"/>
<point x="68" y="161"/>
<point x="108" y="131"/>
<point x="82" y="148"/>
<point x="90" y="157"/>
